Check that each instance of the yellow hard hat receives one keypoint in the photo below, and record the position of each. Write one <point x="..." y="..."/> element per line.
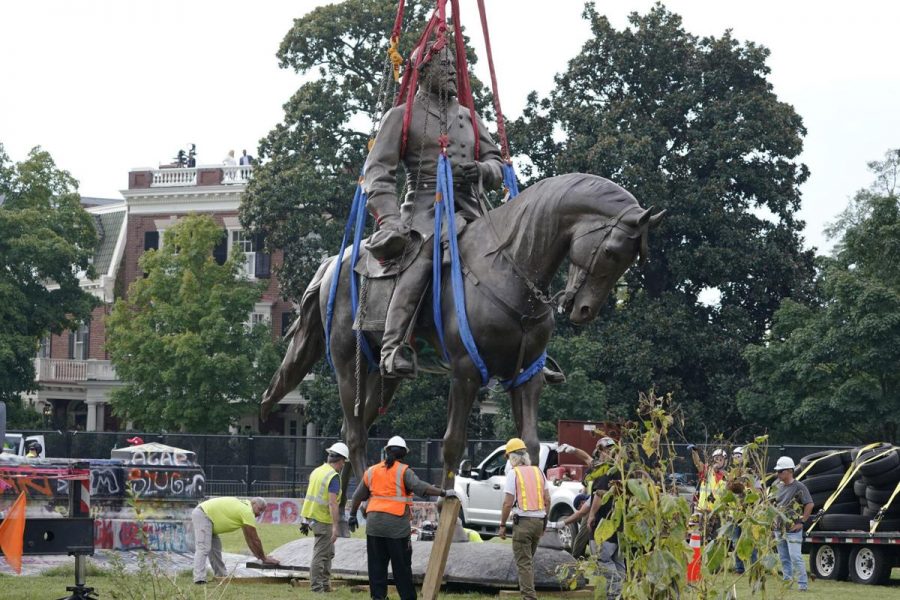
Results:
<point x="514" y="445"/>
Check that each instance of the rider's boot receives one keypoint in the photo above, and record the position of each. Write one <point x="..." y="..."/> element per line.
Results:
<point x="553" y="374"/>
<point x="398" y="357"/>
<point x="390" y="239"/>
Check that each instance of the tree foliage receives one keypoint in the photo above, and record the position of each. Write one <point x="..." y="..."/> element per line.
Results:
<point x="180" y="341"/>
<point x="46" y="240"/>
<point x="829" y="368"/>
<point x="690" y="125"/>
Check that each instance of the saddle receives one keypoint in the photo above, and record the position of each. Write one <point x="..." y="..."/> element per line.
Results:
<point x="381" y="278"/>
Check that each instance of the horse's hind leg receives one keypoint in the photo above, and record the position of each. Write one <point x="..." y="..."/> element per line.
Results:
<point x="524" y="401"/>
<point x="462" y="395"/>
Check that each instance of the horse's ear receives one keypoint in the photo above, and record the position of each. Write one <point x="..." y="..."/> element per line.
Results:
<point x="656" y="219"/>
<point x="644" y="218"/>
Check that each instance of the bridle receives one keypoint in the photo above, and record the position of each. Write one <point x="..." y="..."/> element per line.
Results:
<point x="562" y="300"/>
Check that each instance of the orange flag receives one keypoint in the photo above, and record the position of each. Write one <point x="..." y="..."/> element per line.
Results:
<point x="12" y="530"/>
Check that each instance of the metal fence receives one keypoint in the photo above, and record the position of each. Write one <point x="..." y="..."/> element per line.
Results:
<point x="279" y="466"/>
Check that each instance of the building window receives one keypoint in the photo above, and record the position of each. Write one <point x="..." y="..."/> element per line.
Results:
<point x="257" y="318"/>
<point x="243" y="241"/>
<point x="80" y="343"/>
<point x="286" y="319"/>
<point x="45" y="347"/>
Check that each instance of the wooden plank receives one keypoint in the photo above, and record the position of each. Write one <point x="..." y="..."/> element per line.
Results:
<point x="440" y="549"/>
<point x="585" y="593"/>
<point x="254" y="580"/>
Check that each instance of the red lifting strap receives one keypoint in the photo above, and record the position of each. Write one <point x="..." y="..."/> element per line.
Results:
<point x="501" y="126"/>
<point x="398" y="22"/>
<point x="462" y="76"/>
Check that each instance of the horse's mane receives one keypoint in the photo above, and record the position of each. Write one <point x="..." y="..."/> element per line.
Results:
<point x="542" y="202"/>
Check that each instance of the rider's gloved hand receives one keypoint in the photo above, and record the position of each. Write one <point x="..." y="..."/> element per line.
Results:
<point x="466" y="172"/>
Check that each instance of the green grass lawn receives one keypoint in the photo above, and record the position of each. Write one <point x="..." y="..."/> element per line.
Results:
<point x="54" y="584"/>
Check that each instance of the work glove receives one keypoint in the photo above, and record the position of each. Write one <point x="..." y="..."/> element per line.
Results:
<point x="353" y="522"/>
<point x="565" y="449"/>
<point x="561" y="524"/>
<point x="691" y="447"/>
<point x="451" y="494"/>
<point x="304" y="528"/>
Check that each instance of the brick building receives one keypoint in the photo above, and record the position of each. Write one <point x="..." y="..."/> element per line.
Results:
<point x="73" y="370"/>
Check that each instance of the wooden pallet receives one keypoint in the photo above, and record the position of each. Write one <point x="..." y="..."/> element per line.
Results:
<point x="584" y="593"/>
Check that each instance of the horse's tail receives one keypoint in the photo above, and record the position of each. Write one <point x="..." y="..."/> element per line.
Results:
<point x="307" y="335"/>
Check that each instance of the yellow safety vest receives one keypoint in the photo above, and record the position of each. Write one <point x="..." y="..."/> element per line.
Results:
<point x="709" y="489"/>
<point x="315" y="504"/>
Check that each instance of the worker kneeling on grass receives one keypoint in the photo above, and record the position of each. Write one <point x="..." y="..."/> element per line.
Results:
<point x="216" y="516"/>
<point x="388" y="487"/>
<point x="320" y="514"/>
<point x="527" y="496"/>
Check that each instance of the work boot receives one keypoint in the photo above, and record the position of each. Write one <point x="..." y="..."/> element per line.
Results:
<point x="398" y="358"/>
<point x="553" y="374"/>
<point x="390" y="239"/>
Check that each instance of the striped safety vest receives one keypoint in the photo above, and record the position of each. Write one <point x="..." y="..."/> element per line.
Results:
<point x="315" y="504"/>
<point x="711" y="486"/>
<point x="387" y="491"/>
<point x="529" y="488"/>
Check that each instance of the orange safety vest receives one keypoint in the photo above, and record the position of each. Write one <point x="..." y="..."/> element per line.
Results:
<point x="386" y="488"/>
<point x="529" y="488"/>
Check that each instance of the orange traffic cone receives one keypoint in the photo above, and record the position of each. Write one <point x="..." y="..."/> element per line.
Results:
<point x="12" y="529"/>
<point x="694" y="567"/>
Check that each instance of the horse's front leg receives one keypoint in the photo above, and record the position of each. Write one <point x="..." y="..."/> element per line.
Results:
<point x="525" y="400"/>
<point x="462" y="395"/>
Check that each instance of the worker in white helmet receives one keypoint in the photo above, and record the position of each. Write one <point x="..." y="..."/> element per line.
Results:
<point x="320" y="514"/>
<point x="741" y="478"/>
<point x="795" y="502"/>
<point x="388" y="487"/>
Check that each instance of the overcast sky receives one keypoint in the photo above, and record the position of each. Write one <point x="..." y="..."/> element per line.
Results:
<point x="107" y="86"/>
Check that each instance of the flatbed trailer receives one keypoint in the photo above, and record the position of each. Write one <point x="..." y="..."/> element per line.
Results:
<point x="858" y="556"/>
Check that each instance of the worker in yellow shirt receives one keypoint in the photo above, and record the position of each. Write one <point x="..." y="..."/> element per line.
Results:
<point x="216" y="516"/>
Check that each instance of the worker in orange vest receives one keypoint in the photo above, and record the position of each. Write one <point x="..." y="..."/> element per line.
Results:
<point x="388" y="487"/>
<point x="528" y="497"/>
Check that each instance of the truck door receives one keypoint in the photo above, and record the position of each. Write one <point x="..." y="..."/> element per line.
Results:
<point x="486" y="493"/>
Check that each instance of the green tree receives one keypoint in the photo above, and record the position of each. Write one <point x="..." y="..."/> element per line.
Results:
<point x="180" y="341"/>
<point x="828" y="370"/>
<point x="46" y="240"/>
<point x="691" y="125"/>
<point x="302" y="188"/>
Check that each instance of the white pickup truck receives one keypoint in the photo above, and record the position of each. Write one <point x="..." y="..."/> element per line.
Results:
<point x="480" y="491"/>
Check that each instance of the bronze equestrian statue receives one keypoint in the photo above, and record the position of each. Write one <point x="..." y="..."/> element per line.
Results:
<point x="510" y="256"/>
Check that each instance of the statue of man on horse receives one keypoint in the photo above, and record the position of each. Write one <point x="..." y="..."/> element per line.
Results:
<point x="493" y="322"/>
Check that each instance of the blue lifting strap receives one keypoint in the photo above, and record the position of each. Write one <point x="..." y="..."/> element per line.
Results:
<point x="355" y="225"/>
<point x="509" y="180"/>
<point x="445" y="204"/>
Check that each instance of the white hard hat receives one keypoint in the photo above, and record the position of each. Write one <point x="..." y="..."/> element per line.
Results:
<point x="339" y="448"/>
<point x="397" y="441"/>
<point x="718" y="452"/>
<point x="606" y="442"/>
<point x="738" y="450"/>
<point x="785" y="462"/>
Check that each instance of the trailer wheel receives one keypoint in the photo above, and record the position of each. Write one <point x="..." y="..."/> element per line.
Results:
<point x="869" y="565"/>
<point x="828" y="561"/>
<point x="568" y="533"/>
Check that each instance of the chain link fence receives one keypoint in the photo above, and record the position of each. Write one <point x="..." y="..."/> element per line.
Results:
<point x="279" y="466"/>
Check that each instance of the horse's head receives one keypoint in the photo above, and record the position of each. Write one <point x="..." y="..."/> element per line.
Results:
<point x="602" y="249"/>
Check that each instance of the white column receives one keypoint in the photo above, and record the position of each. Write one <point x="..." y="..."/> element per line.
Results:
<point x="92" y="416"/>
<point x="95" y="400"/>
<point x="312" y="456"/>
<point x="101" y="416"/>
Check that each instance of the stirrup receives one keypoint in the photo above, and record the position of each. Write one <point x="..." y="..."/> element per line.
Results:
<point x="553" y="373"/>
<point x="389" y="364"/>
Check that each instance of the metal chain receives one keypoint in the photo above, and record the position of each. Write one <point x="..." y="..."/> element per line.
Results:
<point x="357" y="326"/>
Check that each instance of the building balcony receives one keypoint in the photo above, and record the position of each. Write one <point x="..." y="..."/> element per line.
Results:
<point x="64" y="370"/>
<point x="181" y="177"/>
